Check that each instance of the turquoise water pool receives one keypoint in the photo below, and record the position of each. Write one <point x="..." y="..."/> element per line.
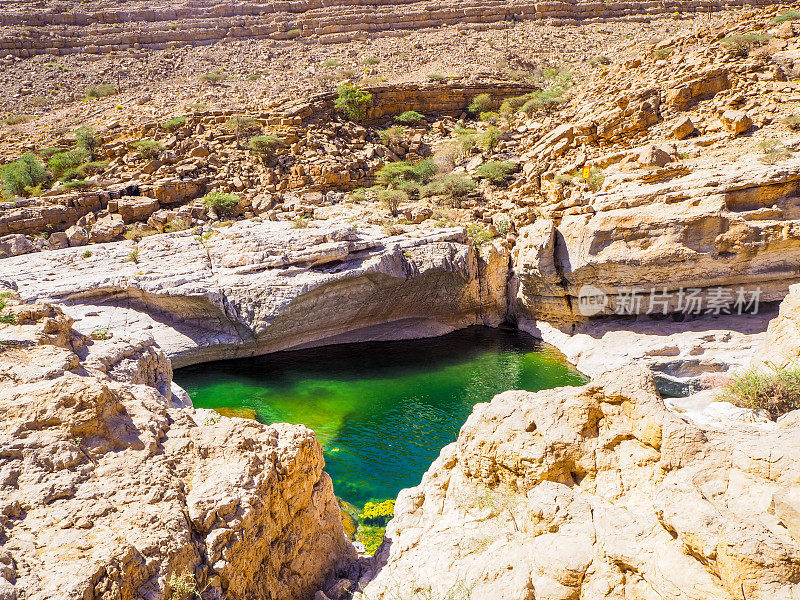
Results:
<point x="381" y="410"/>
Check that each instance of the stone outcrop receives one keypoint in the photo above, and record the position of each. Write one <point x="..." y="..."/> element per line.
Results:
<point x="258" y="287"/>
<point x="49" y="27"/>
<point x="599" y="492"/>
<point x="725" y="226"/>
<point x="781" y="346"/>
<point x="109" y="492"/>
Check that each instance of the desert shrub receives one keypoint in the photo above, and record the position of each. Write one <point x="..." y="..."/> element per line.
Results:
<point x="663" y="52"/>
<point x="452" y="187"/>
<point x="480" y="103"/>
<point x="773" y="151"/>
<point x="776" y="392"/>
<point x="197" y="106"/>
<point x="547" y="99"/>
<point x="792" y="121"/>
<point x="370" y="60"/>
<point x="331" y="62"/>
<point x="293" y="33"/>
<point x="496" y="171"/>
<point x="489" y="117"/>
<point x="789" y="15"/>
<point x="300" y="223"/>
<point x="392" y="199"/>
<point x="93" y="168"/>
<point x="371" y="537"/>
<point x="148" y="149"/>
<point x="181" y="224"/>
<point x="101" y="91"/>
<point x="220" y="202"/>
<point x="65" y="164"/>
<point x="358" y="195"/>
<point x="489" y="139"/>
<point x="397" y="173"/>
<point x="267" y="146"/>
<point x="502" y="223"/>
<point x="25" y="173"/>
<point x="478" y="234"/>
<point x="182" y="585"/>
<point x="85" y="139"/>
<point x="436" y="77"/>
<point x="254" y="77"/>
<point x="352" y="101"/>
<point x="213" y="77"/>
<point x="377" y="513"/>
<point x="392" y="135"/>
<point x="17" y="119"/>
<point x="410" y="117"/>
<point x="596" y="179"/>
<point x="512" y="105"/>
<point x="741" y="44"/>
<point x="558" y="76"/>
<point x="174" y="124"/>
<point x="79" y="184"/>
<point x="242" y="125"/>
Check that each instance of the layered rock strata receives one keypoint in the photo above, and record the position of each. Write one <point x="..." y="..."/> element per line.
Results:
<point x="258" y="287"/>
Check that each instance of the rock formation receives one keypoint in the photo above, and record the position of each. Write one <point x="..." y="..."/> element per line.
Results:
<point x="258" y="287"/>
<point x="599" y="492"/>
<point x="109" y="492"/>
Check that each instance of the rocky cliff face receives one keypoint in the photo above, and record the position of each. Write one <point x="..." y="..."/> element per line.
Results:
<point x="599" y="492"/>
<point x="109" y="492"/>
<point x="257" y="287"/>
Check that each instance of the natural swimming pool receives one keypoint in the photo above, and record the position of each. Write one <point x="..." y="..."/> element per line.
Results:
<point x="381" y="410"/>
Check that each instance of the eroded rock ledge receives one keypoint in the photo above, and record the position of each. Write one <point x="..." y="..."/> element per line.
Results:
<point x="258" y="287"/>
<point x="599" y="492"/>
<point x="108" y="491"/>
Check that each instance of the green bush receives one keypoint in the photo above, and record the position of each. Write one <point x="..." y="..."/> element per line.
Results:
<point x="410" y="117"/>
<point x="489" y="117"/>
<point x="254" y="77"/>
<point x="294" y="33"/>
<point x="352" y="101"/>
<point x="93" y="168"/>
<point x="85" y="139"/>
<point x="17" y="119"/>
<point x="496" y="171"/>
<point x="396" y="173"/>
<point x="478" y="235"/>
<point x="371" y="60"/>
<point x="371" y="537"/>
<point x="26" y="172"/>
<point x="148" y="149"/>
<point x="174" y="124"/>
<point x="436" y="77"/>
<point x="789" y="15"/>
<point x="549" y="98"/>
<point x="331" y="62"/>
<point x="66" y="163"/>
<point x="740" y="45"/>
<point x="392" y="199"/>
<point x="776" y="392"/>
<point x="792" y="121"/>
<point x="392" y="135"/>
<point x="213" y="77"/>
<point x="242" y="125"/>
<point x="221" y="202"/>
<point x="489" y="139"/>
<point x="267" y="146"/>
<point x="452" y="187"/>
<point x="377" y="513"/>
<point x="480" y="103"/>
<point x="101" y="91"/>
<point x="80" y="184"/>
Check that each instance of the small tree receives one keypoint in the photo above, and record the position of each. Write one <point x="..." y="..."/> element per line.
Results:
<point x="85" y="139"/>
<point x="498" y="172"/>
<point x="213" y="77"/>
<point x="148" y="149"/>
<point x="352" y="101"/>
<point x="410" y="117"/>
<point x="174" y="124"/>
<point x="392" y="199"/>
<point x="26" y="172"/>
<point x="266" y="146"/>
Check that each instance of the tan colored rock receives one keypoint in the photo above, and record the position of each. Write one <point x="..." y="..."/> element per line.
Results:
<point x="682" y="129"/>
<point x="136" y="208"/>
<point x="597" y="492"/>
<point x="108" y="492"/>
<point x="77" y="236"/>
<point x="736" y="121"/>
<point x="782" y="344"/>
<point x="106" y="229"/>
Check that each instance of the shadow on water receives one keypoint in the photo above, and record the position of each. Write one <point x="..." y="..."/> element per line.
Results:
<point x="381" y="410"/>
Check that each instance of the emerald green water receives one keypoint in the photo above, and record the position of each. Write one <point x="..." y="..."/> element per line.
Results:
<point x="381" y="410"/>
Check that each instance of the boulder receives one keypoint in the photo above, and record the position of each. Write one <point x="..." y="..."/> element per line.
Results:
<point x="682" y="128"/>
<point x="107" y="229"/>
<point x="136" y="208"/>
<point x="654" y="156"/>
<point x="77" y="236"/>
<point x="736" y="121"/>
<point x="15" y="244"/>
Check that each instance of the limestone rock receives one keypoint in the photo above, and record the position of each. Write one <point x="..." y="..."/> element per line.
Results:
<point x="106" y="229"/>
<point x="108" y="492"/>
<point x="682" y="129"/>
<point x="260" y="286"/>
<point x="736" y="121"/>
<point x="597" y="492"/>
<point x="782" y="344"/>
<point x="77" y="236"/>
